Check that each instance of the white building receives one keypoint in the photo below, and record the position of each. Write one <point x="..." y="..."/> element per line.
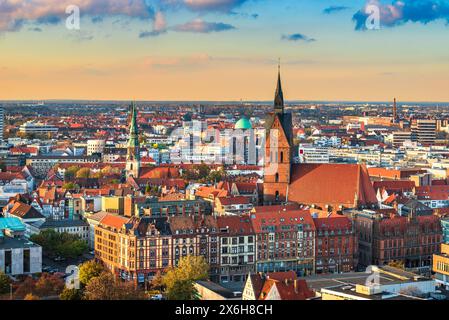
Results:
<point x="18" y="255"/>
<point x="95" y="146"/>
<point x="313" y="154"/>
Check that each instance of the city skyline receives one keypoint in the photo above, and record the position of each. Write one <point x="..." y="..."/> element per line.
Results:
<point x="224" y="50"/>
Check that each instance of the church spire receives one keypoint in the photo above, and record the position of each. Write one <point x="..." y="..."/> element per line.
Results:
<point x="279" y="96"/>
<point x="133" y="154"/>
<point x="133" y="131"/>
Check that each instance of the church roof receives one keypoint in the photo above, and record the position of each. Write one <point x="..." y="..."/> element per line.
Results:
<point x="279" y="95"/>
<point x="347" y="185"/>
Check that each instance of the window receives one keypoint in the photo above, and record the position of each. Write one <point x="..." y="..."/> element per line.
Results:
<point x="276" y="177"/>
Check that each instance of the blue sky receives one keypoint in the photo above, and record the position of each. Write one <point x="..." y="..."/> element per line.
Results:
<point x="224" y="50"/>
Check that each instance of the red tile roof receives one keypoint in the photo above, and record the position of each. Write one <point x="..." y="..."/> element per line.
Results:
<point x="261" y="220"/>
<point x="158" y="173"/>
<point x="25" y="211"/>
<point x="348" y="185"/>
<point x="394" y="185"/>
<point x="115" y="221"/>
<point x="333" y="223"/>
<point x="227" y="201"/>
<point x="236" y="225"/>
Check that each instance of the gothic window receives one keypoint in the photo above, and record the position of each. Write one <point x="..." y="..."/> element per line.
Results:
<point x="282" y="156"/>
<point x="277" y="177"/>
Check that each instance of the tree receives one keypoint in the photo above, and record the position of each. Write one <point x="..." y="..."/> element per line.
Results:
<point x="60" y="244"/>
<point x="70" y="173"/>
<point x="183" y="290"/>
<point x="5" y="283"/>
<point x="48" y="285"/>
<point x="88" y="270"/>
<point x="105" y="287"/>
<point x="25" y="287"/>
<point x="101" y="288"/>
<point x="179" y="280"/>
<point x="71" y="294"/>
<point x="31" y="296"/>
<point x="70" y="186"/>
<point x="83" y="173"/>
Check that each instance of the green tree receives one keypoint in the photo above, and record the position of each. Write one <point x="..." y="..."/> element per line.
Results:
<point x="70" y="173"/>
<point x="70" y="186"/>
<point x="83" y="173"/>
<point x="5" y="282"/>
<point x="179" y="280"/>
<point x="71" y="294"/>
<point x="88" y="270"/>
<point x="60" y="244"/>
<point x="183" y="290"/>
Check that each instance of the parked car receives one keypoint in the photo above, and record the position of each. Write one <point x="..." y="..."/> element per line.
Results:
<point x="158" y="297"/>
<point x="59" y="259"/>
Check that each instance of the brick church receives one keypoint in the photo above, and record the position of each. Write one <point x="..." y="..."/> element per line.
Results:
<point x="327" y="186"/>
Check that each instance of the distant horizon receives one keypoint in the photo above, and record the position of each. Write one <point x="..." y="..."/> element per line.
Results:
<point x="224" y="50"/>
<point x="265" y="102"/>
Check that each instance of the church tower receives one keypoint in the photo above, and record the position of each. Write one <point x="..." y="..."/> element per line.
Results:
<point x="133" y="154"/>
<point x="278" y="151"/>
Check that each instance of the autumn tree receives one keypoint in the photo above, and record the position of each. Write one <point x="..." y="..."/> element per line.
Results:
<point x="88" y="270"/>
<point x="83" y="173"/>
<point x="70" y="173"/>
<point x="48" y="285"/>
<point x="5" y="282"/>
<point x="106" y="287"/>
<point x="25" y="287"/>
<point x="31" y="296"/>
<point x="179" y="281"/>
<point x="71" y="294"/>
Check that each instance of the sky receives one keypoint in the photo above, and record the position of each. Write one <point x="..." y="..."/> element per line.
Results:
<point x="224" y="50"/>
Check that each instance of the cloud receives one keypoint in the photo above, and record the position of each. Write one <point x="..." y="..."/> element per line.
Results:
<point x="150" y="34"/>
<point x="297" y="37"/>
<point x="14" y="14"/>
<point x="204" y="5"/>
<point x="200" y="26"/>
<point x="35" y="29"/>
<point x="97" y="19"/>
<point x="159" y="26"/>
<point x="81" y="36"/>
<point x="400" y="12"/>
<point x="333" y="9"/>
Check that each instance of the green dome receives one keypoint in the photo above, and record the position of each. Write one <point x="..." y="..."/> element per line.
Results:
<point x="243" y="124"/>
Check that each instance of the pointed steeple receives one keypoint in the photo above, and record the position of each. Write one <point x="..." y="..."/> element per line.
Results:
<point x="133" y="131"/>
<point x="133" y="154"/>
<point x="279" y="96"/>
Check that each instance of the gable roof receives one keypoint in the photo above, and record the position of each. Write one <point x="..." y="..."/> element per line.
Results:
<point x="25" y="211"/>
<point x="347" y="185"/>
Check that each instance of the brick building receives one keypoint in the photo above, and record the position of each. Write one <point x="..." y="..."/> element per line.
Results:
<point x="285" y="240"/>
<point x="386" y="236"/>
<point x="335" y="244"/>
